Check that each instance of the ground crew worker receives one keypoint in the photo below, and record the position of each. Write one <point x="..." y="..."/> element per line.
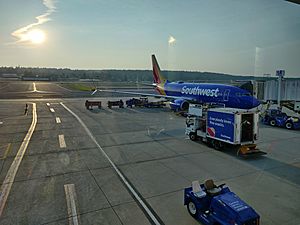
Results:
<point x="26" y="109"/>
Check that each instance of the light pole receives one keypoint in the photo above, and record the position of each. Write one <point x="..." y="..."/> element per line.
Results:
<point x="280" y="74"/>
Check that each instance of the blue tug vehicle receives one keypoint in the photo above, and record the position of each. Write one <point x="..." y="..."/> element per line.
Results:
<point x="276" y="117"/>
<point x="217" y="205"/>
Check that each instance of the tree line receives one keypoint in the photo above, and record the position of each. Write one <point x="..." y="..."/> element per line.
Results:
<point x="60" y="74"/>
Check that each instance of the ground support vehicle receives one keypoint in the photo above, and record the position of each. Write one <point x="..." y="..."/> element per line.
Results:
<point x="158" y="104"/>
<point x="143" y="102"/>
<point x="119" y="103"/>
<point x="217" y="205"/>
<point x="224" y="126"/>
<point x="276" y="117"/>
<point x="181" y="113"/>
<point x="136" y="102"/>
<point x="90" y="104"/>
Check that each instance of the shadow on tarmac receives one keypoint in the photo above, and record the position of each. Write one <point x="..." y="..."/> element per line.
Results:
<point x="275" y="167"/>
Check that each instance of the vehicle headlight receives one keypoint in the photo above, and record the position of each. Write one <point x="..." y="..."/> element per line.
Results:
<point x="295" y="119"/>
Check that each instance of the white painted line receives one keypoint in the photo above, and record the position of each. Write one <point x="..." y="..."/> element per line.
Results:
<point x="52" y="110"/>
<point x="58" y="120"/>
<point x="61" y="139"/>
<point x="10" y="176"/>
<point x="1" y="122"/>
<point x="110" y="110"/>
<point x="124" y="180"/>
<point x="71" y="199"/>
<point x="48" y="104"/>
<point x="134" y="110"/>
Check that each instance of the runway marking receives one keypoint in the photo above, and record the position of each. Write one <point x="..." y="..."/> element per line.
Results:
<point x="10" y="176"/>
<point x="110" y="110"/>
<point x="52" y="110"/>
<point x="61" y="139"/>
<point x="48" y="104"/>
<point x="123" y="179"/>
<point x="8" y="148"/>
<point x="134" y="110"/>
<point x="34" y="87"/>
<point x="71" y="199"/>
<point x="58" y="120"/>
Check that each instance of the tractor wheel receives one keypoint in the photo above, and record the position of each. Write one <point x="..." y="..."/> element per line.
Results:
<point x="289" y="125"/>
<point x="272" y="123"/>
<point x="217" y="145"/>
<point x="209" y="142"/>
<point x="192" y="209"/>
<point x="193" y="136"/>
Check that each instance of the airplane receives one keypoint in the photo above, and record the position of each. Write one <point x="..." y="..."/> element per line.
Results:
<point x="181" y="94"/>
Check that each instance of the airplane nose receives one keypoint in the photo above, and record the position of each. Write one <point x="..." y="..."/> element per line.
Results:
<point x="255" y="102"/>
<point x="251" y="102"/>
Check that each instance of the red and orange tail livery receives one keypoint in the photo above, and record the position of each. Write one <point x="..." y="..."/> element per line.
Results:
<point x="157" y="76"/>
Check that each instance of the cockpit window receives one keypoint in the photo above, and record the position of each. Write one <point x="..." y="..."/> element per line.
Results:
<point x="246" y="94"/>
<point x="238" y="94"/>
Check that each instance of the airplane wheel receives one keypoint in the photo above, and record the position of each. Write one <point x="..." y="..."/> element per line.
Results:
<point x="193" y="136"/>
<point x="192" y="209"/>
<point x="272" y="123"/>
<point x="289" y="125"/>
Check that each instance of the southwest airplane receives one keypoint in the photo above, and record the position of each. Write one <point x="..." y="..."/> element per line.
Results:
<point x="181" y="94"/>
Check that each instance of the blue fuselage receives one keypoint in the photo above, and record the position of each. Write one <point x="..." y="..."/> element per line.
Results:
<point x="230" y="96"/>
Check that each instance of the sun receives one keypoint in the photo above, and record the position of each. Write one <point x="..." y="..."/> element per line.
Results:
<point x="36" y="36"/>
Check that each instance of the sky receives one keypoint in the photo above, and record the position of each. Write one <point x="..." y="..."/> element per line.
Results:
<point x="227" y="36"/>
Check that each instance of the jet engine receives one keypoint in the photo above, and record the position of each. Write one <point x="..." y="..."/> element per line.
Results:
<point x="179" y="104"/>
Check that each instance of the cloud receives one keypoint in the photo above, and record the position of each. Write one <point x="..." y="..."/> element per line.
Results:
<point x="171" y="40"/>
<point x="22" y="33"/>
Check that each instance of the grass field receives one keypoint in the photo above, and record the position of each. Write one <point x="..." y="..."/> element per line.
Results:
<point x="85" y="86"/>
<point x="78" y="86"/>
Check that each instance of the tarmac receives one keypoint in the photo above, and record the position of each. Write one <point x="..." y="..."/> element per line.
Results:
<point x="69" y="171"/>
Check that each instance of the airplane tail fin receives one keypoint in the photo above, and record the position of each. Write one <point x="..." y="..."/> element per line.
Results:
<point x="157" y="76"/>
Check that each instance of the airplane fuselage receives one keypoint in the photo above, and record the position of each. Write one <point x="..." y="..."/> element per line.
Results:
<point x="230" y="96"/>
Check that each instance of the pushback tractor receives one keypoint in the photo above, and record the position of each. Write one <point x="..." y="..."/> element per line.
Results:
<point x="218" y="205"/>
<point x="224" y="126"/>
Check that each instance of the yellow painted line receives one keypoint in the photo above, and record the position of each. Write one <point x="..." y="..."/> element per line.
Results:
<point x="8" y="148"/>
<point x="52" y="110"/>
<point x="61" y="139"/>
<point x="71" y="199"/>
<point x="34" y="87"/>
<point x="58" y="120"/>
<point x="10" y="176"/>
